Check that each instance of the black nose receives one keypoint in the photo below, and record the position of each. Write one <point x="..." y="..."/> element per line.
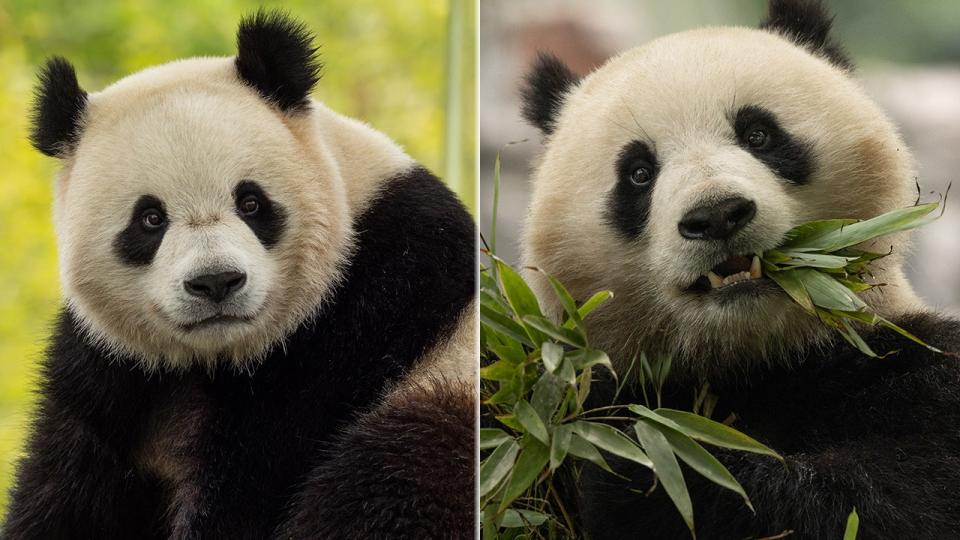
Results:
<point x="717" y="221"/>
<point x="215" y="287"/>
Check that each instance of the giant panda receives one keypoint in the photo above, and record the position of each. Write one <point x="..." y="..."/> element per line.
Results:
<point x="664" y="172"/>
<point x="268" y="329"/>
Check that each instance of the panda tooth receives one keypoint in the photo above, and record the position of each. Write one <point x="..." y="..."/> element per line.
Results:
<point x="755" y="268"/>
<point x="715" y="280"/>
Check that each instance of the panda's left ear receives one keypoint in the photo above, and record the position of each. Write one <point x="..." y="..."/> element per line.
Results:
<point x="276" y="56"/>
<point x="808" y="24"/>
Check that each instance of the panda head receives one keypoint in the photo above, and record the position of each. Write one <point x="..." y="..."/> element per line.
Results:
<point x="198" y="219"/>
<point x="668" y="168"/>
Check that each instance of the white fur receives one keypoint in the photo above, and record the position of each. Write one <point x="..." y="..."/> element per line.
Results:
<point x="188" y="132"/>
<point x="680" y="93"/>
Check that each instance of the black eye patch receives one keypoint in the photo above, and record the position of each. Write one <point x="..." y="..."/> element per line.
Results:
<point x="628" y="203"/>
<point x="264" y="216"/>
<point x="758" y="132"/>
<point x="137" y="244"/>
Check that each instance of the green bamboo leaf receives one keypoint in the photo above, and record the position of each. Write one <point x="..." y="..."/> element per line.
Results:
<point x="593" y="303"/>
<point x="518" y="293"/>
<point x="853" y="337"/>
<point x="533" y="458"/>
<point x="853" y="526"/>
<point x="906" y="334"/>
<point x="566" y="372"/>
<point x="667" y="469"/>
<point x="559" y="333"/>
<point x="706" y="430"/>
<point x="512" y="352"/>
<point x="560" y="445"/>
<point x="702" y="461"/>
<point x="511" y="422"/>
<point x="611" y="440"/>
<point x="827" y="293"/>
<point x="891" y="222"/>
<point x="567" y="302"/>
<point x="552" y="355"/>
<point x="493" y="437"/>
<point x="505" y="325"/>
<point x="809" y="233"/>
<point x="500" y="370"/>
<point x="790" y="283"/>
<point x="547" y="393"/>
<point x="531" y="422"/>
<point x="586" y="450"/>
<point x="516" y="518"/>
<point x="497" y="466"/>
<point x="584" y="358"/>
<point x="817" y="260"/>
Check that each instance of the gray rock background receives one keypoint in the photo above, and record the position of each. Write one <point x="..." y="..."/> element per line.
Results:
<point x="907" y="54"/>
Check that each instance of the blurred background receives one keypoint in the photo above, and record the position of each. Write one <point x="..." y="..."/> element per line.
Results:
<point x="407" y="68"/>
<point x="907" y="54"/>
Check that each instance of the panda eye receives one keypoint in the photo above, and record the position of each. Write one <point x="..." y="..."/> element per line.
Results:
<point x="249" y="205"/>
<point x="758" y="137"/>
<point x="153" y="219"/>
<point x="641" y="175"/>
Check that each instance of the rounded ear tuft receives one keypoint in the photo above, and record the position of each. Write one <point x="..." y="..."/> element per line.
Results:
<point x="275" y="55"/>
<point x="544" y="89"/>
<point x="807" y="23"/>
<point x="58" y="108"/>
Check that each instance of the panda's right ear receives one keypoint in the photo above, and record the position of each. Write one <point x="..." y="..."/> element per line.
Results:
<point x="58" y="108"/>
<point x="276" y="56"/>
<point x="544" y="89"/>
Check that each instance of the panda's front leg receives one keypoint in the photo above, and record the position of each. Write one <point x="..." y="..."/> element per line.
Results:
<point x="404" y="469"/>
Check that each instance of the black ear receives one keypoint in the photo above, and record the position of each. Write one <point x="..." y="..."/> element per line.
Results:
<point x="544" y="90"/>
<point x="58" y="107"/>
<point x="808" y="24"/>
<point x="275" y="55"/>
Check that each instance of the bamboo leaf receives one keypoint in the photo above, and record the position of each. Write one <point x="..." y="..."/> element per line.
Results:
<point x="505" y="325"/>
<point x="611" y="440"/>
<point x="708" y="431"/>
<point x="552" y="355"/>
<point x="531" y="422"/>
<point x="702" y="461"/>
<point x="547" y="393"/>
<point x="853" y="526"/>
<point x="856" y="233"/>
<point x="583" y="449"/>
<point x="560" y="445"/>
<point x="493" y="437"/>
<point x="533" y="458"/>
<point x="667" y="469"/>
<point x="790" y="283"/>
<point x="497" y="466"/>
<point x="515" y="518"/>
<point x="558" y="333"/>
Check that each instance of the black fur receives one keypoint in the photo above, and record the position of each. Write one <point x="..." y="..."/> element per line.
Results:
<point x="438" y="476"/>
<point x="880" y="435"/>
<point x="628" y="205"/>
<point x="241" y="451"/>
<point x="58" y="109"/>
<point x="275" y="55"/>
<point x="270" y="219"/>
<point x="808" y="24"/>
<point x="136" y="245"/>
<point x="785" y="154"/>
<point x="544" y="90"/>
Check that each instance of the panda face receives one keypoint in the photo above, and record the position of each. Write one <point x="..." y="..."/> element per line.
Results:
<point x="194" y="222"/>
<point x="673" y="165"/>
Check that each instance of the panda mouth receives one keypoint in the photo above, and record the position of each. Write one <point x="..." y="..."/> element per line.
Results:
<point x="216" y="320"/>
<point x="735" y="270"/>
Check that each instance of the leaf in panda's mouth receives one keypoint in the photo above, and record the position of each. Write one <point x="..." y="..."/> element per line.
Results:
<point x="819" y="269"/>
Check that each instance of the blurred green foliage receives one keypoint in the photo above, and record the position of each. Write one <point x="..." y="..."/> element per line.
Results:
<point x="386" y="63"/>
